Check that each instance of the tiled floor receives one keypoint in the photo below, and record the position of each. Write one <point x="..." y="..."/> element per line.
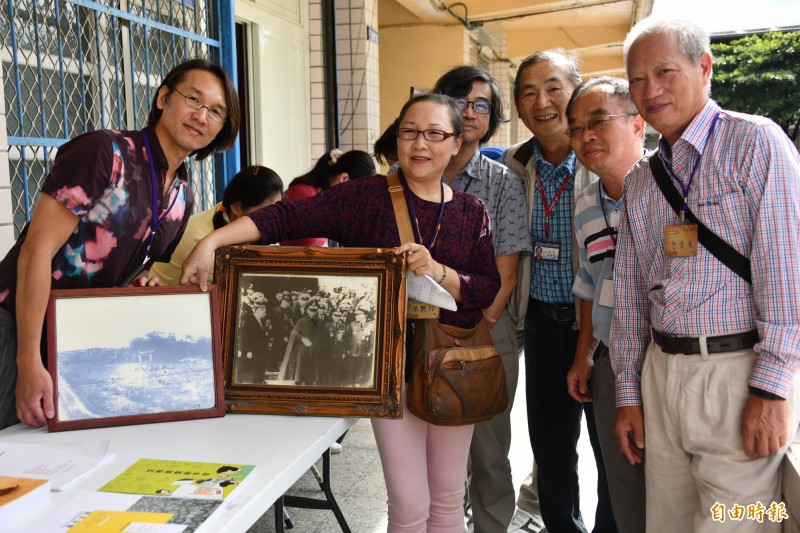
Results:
<point x="358" y="485"/>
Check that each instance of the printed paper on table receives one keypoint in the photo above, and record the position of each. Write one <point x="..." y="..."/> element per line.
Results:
<point x="117" y="521"/>
<point x="189" y="515"/>
<point x="180" y="479"/>
<point x="62" y="464"/>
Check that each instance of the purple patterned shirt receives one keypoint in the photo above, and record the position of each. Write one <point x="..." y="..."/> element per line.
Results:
<point x="747" y="191"/>
<point x="359" y="213"/>
<point x="103" y="177"/>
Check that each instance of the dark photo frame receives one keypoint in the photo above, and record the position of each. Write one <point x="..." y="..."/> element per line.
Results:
<point x="133" y="355"/>
<point x="315" y="331"/>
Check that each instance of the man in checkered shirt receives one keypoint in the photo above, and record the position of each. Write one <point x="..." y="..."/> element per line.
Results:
<point x="712" y="398"/>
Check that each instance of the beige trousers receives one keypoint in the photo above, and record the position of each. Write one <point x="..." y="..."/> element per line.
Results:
<point x="693" y="443"/>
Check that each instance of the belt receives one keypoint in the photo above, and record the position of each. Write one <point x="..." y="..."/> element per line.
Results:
<point x="691" y="345"/>
<point x="558" y="312"/>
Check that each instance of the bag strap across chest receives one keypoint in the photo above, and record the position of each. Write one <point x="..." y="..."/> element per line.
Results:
<point x="724" y="252"/>
<point x="400" y="208"/>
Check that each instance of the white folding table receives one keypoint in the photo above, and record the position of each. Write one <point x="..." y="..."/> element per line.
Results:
<point x="283" y="448"/>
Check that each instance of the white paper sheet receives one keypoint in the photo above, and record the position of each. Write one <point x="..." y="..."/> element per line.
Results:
<point x="141" y="527"/>
<point x="62" y="464"/>
<point x="425" y="289"/>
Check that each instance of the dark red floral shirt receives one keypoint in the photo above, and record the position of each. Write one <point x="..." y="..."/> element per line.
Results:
<point x="104" y="178"/>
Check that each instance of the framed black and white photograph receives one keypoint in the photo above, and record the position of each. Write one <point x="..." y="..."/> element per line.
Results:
<point x="312" y="330"/>
<point x="133" y="355"/>
<point x="317" y="331"/>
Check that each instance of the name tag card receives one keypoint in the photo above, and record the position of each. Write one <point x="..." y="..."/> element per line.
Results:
<point x="546" y="249"/>
<point x="607" y="293"/>
<point x="417" y="309"/>
<point x="680" y="240"/>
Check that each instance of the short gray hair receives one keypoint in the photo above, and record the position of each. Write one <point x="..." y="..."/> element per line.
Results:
<point x="617" y="87"/>
<point x="694" y="39"/>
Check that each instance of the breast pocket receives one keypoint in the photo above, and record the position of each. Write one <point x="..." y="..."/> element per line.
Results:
<point x="728" y="216"/>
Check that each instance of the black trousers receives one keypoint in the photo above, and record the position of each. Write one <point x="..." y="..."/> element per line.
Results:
<point x="554" y="425"/>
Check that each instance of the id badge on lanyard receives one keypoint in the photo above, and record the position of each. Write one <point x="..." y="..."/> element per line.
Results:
<point x="607" y="293"/>
<point x="680" y="240"/>
<point x="546" y="248"/>
<point x="421" y="310"/>
<point x="414" y="308"/>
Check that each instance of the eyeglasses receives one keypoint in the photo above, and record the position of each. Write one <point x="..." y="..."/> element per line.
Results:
<point x="575" y="132"/>
<point x="481" y="107"/>
<point x="409" y="134"/>
<point x="196" y="103"/>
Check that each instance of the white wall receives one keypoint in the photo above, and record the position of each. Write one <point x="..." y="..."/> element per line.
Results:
<point x="279" y="109"/>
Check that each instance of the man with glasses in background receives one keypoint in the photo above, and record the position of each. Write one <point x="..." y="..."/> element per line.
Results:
<point x="113" y="203"/>
<point x="491" y="490"/>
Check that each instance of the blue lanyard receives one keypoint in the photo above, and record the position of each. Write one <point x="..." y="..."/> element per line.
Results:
<point x="685" y="188"/>
<point x="468" y="184"/>
<point x="417" y="233"/>
<point x="612" y="234"/>
<point x="155" y="221"/>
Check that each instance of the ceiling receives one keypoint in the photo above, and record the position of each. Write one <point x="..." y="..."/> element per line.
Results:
<point x="593" y="29"/>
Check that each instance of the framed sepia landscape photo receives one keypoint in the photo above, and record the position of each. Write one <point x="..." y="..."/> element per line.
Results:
<point x="133" y="355"/>
<point x="315" y="331"/>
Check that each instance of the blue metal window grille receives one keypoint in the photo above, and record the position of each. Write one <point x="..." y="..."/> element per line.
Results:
<point x="71" y="66"/>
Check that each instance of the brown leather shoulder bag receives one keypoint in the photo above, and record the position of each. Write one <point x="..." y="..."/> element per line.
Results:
<point x="457" y="376"/>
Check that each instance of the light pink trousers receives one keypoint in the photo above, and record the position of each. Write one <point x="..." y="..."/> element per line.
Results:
<point x="424" y="467"/>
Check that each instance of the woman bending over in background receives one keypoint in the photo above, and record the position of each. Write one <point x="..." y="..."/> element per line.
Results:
<point x="331" y="169"/>
<point x="252" y="188"/>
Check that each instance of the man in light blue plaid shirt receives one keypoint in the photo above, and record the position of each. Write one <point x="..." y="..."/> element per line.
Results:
<point x="712" y="399"/>
<point x="553" y="178"/>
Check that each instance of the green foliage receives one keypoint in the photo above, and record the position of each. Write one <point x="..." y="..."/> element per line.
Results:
<point x="760" y="74"/>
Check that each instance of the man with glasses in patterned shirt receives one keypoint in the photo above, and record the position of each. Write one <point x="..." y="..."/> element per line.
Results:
<point x="491" y="490"/>
<point x="113" y="203"/>
<point x="705" y="347"/>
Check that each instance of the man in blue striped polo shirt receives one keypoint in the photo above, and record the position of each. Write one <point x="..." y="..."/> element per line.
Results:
<point x="605" y="132"/>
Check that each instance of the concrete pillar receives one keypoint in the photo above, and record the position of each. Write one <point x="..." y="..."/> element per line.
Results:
<point x="358" y="77"/>
<point x="359" y="84"/>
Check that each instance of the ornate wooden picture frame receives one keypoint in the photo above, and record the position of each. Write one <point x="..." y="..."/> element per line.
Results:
<point x="317" y="331"/>
<point x="133" y="355"/>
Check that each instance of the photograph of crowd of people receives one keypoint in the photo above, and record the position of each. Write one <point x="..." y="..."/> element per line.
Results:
<point x="309" y="331"/>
